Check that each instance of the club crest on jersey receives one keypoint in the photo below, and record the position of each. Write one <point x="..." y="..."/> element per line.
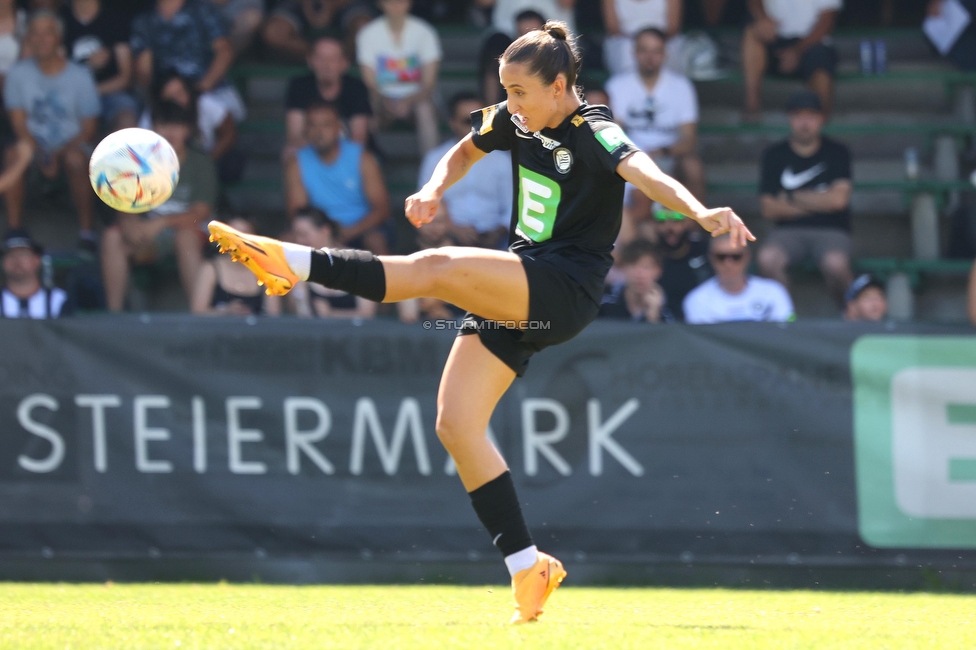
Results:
<point x="563" y="158"/>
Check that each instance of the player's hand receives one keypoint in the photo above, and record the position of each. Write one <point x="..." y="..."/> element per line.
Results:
<point x="723" y="220"/>
<point x="421" y="207"/>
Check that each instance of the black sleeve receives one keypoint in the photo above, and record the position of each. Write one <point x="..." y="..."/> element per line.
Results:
<point x="607" y="147"/>
<point x="843" y="162"/>
<point x="769" y="173"/>
<point x="355" y="96"/>
<point x="493" y="128"/>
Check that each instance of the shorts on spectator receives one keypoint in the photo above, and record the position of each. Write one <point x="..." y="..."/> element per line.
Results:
<point x="809" y="243"/>
<point x="818" y="57"/>
<point x="115" y="103"/>
<point x="228" y="97"/>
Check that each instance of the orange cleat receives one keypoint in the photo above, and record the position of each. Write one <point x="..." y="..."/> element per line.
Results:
<point x="262" y="255"/>
<point x="533" y="586"/>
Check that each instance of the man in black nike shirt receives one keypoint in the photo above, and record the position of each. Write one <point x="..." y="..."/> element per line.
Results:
<point x="805" y="189"/>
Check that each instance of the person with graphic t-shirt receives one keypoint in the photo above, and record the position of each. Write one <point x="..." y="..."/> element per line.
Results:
<point x="399" y="56"/>
<point x="23" y="295"/>
<point x="100" y="40"/>
<point x="733" y="295"/>
<point x="805" y="190"/>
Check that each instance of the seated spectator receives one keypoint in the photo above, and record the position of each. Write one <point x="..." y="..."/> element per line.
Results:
<point x="100" y="40"/>
<point x="624" y="19"/>
<point x="340" y="178"/>
<point x="480" y="204"/>
<point x="639" y="297"/>
<point x="187" y="36"/>
<point x="805" y="189"/>
<point x="312" y="227"/>
<point x="972" y="295"/>
<point x="505" y="13"/>
<point x="23" y="295"/>
<point x="658" y="109"/>
<point x="176" y="226"/>
<point x="596" y="96"/>
<point x="224" y="288"/>
<point x="495" y="45"/>
<point x="684" y="251"/>
<point x="53" y="106"/>
<point x="242" y="17"/>
<point x="399" y="56"/>
<point x="961" y="50"/>
<point x="866" y="300"/>
<point x="216" y="132"/>
<point x="327" y="82"/>
<point x="295" y="24"/>
<point x="733" y="295"/>
<point x="790" y="39"/>
<point x="13" y="29"/>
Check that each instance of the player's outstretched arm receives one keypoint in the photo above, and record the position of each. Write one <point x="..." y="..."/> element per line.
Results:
<point x="640" y="170"/>
<point x="421" y="207"/>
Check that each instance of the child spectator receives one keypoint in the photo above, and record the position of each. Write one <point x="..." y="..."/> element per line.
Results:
<point x="99" y="39"/>
<point x="639" y="298"/>
<point x="176" y="226"/>
<point x="224" y="288"/>
<point x="399" y="56"/>
<point x="312" y="227"/>
<point x="23" y="295"/>
<point x="53" y="107"/>
<point x="866" y="300"/>
<point x="340" y="178"/>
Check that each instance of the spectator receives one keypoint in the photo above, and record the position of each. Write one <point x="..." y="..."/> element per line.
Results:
<point x="480" y="204"/>
<point x="13" y="28"/>
<point x="940" y="26"/>
<point x="216" y="126"/>
<point x="972" y="295"/>
<point x="684" y="251"/>
<point x="792" y="38"/>
<point x="176" y="226"/>
<point x="865" y="300"/>
<point x="100" y="40"/>
<point x="225" y="288"/>
<point x="505" y="13"/>
<point x="495" y="45"/>
<point x="805" y="190"/>
<point x="639" y="298"/>
<point x="187" y="36"/>
<point x="340" y="178"/>
<point x="53" y="107"/>
<point x="399" y="56"/>
<point x="732" y="295"/>
<point x="312" y="227"/>
<point x="295" y="24"/>
<point x="242" y="17"/>
<point x="23" y="295"/>
<point x="624" y="19"/>
<point x="596" y="95"/>
<point x="658" y="108"/>
<point x="328" y="82"/>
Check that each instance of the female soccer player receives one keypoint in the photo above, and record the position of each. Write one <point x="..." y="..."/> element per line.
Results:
<point x="569" y="162"/>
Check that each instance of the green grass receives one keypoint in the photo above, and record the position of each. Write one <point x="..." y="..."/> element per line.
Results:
<point x="259" y="616"/>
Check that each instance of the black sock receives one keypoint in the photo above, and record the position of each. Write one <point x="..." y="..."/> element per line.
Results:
<point x="498" y="508"/>
<point x="357" y="272"/>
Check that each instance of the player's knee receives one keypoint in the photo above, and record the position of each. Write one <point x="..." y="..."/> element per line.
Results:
<point x="450" y="428"/>
<point x="431" y="266"/>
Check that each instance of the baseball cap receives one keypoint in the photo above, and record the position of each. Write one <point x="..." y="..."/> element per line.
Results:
<point x="859" y="284"/>
<point x="804" y="100"/>
<point x="19" y="238"/>
<point x="661" y="213"/>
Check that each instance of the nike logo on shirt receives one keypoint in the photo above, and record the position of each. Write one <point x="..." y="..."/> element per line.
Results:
<point x="523" y="135"/>
<point x="791" y="181"/>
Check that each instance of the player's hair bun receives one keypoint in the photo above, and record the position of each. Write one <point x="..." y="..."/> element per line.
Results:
<point x="557" y="29"/>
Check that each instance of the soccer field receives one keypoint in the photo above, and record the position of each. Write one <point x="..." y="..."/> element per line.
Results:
<point x="259" y="616"/>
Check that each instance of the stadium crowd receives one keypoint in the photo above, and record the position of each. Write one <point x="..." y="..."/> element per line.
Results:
<point x="81" y="68"/>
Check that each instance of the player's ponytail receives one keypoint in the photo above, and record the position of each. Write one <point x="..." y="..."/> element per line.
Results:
<point x="547" y="52"/>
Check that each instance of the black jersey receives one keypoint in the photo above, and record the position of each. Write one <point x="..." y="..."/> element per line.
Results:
<point x="568" y="196"/>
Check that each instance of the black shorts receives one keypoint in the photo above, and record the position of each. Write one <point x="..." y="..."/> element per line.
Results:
<point x="559" y="309"/>
<point x="816" y="57"/>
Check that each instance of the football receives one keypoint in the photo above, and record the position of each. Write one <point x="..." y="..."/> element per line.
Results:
<point x="134" y="170"/>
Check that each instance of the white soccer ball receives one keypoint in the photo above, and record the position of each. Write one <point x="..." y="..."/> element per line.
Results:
<point x="134" y="170"/>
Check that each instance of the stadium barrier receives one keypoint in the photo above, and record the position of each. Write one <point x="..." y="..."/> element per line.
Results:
<point x="810" y="444"/>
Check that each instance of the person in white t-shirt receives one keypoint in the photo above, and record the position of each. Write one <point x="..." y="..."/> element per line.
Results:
<point x="790" y="38"/>
<point x="505" y="11"/>
<point x="734" y="295"/>
<point x="399" y="56"/>
<point x="625" y="18"/>
<point x="658" y="108"/>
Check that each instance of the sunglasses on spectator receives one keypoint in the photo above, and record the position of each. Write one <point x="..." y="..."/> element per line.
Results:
<point x="724" y="257"/>
<point x="668" y="215"/>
